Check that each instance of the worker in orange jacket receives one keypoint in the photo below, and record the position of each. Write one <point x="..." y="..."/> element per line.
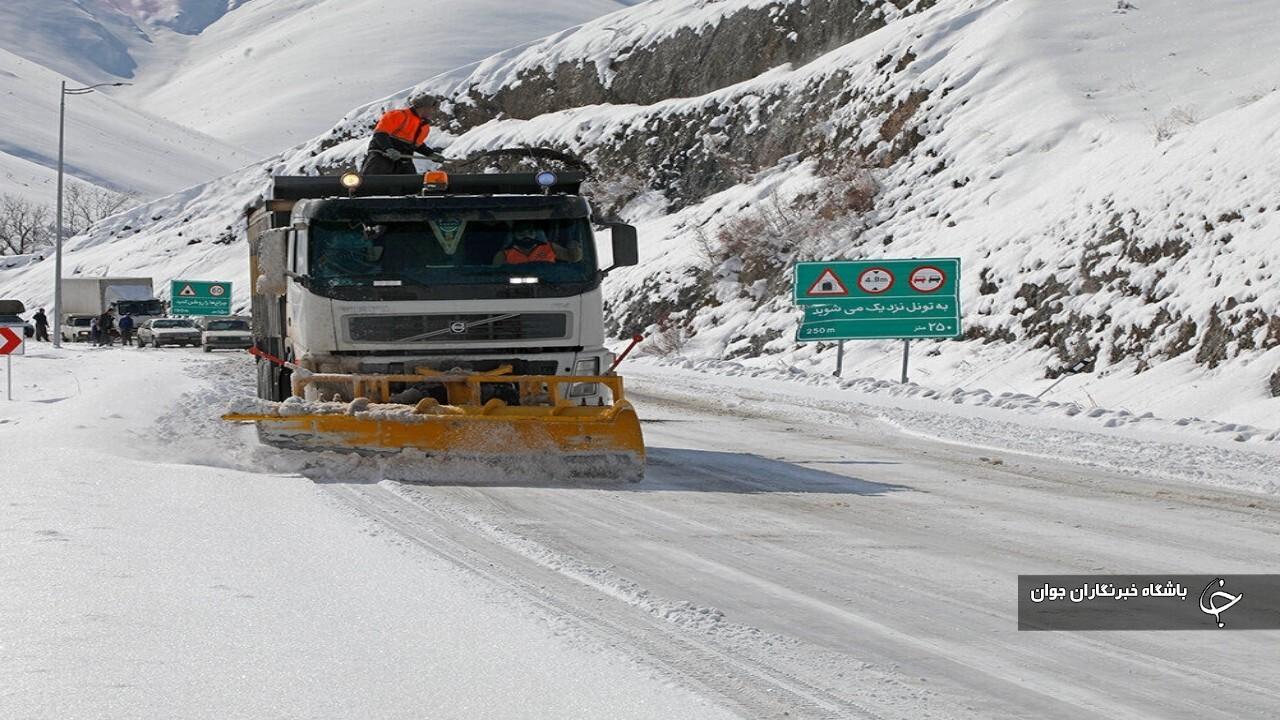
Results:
<point x="529" y="244"/>
<point x="398" y="135"/>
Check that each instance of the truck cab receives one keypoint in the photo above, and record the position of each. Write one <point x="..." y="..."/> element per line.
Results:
<point x="141" y="310"/>
<point x="387" y="275"/>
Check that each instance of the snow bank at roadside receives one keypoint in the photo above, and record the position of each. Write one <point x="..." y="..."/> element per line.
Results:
<point x="1102" y="417"/>
<point x="1187" y="450"/>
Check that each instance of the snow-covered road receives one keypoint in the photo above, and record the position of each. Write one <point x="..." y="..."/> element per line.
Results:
<point x="786" y="555"/>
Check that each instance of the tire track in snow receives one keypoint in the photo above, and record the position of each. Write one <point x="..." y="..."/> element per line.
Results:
<point x="754" y="688"/>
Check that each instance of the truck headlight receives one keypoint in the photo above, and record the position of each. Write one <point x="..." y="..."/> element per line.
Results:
<point x="585" y="367"/>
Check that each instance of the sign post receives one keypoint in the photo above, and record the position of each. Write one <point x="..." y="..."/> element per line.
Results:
<point x="199" y="297"/>
<point x="906" y="354"/>
<point x="12" y="342"/>
<point x="878" y="299"/>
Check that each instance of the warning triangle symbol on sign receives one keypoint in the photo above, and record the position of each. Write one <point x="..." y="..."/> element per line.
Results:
<point x="187" y="291"/>
<point x="828" y="283"/>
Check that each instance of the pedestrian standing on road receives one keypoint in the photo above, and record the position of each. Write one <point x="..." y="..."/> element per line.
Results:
<point x="104" y="328"/>
<point x="93" y="330"/>
<point x="126" y="329"/>
<point x="42" y="325"/>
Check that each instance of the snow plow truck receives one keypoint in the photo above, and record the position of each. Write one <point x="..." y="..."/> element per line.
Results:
<point x="455" y="314"/>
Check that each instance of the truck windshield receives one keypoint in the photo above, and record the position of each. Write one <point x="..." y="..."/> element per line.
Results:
<point x="459" y="249"/>
<point x="139" y="307"/>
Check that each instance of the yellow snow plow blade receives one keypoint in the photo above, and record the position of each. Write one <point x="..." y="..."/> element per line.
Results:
<point x="545" y="423"/>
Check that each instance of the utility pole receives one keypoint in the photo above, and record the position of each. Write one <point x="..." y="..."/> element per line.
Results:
<point x="57" y="263"/>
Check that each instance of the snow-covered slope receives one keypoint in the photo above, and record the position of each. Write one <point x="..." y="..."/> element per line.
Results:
<point x="100" y="40"/>
<point x="185" y="16"/>
<point x="107" y="143"/>
<point x="141" y="584"/>
<point x="276" y="72"/>
<point x="267" y="74"/>
<point x="1104" y="174"/>
<point x="89" y="40"/>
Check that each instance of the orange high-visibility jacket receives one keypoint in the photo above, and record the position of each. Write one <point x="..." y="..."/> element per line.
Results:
<point x="404" y="124"/>
<point x="539" y="253"/>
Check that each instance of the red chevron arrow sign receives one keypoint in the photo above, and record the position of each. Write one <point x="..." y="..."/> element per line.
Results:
<point x="11" y="340"/>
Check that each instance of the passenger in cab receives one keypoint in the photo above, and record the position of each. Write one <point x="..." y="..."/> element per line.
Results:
<point x="529" y="244"/>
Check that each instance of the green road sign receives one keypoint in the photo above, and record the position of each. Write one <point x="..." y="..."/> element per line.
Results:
<point x="870" y="299"/>
<point x="197" y="297"/>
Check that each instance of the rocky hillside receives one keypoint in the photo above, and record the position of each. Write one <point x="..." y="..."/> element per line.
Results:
<point x="1093" y="212"/>
<point x="1104" y="172"/>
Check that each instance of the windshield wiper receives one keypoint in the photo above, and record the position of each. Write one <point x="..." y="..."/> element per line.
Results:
<point x="465" y="328"/>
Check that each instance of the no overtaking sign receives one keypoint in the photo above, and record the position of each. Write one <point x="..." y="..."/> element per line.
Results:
<point x="869" y="299"/>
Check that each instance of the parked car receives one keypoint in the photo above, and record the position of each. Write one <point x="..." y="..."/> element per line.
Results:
<point x="226" y="335"/>
<point x="203" y="321"/>
<point x="159" y="332"/>
<point x="10" y="311"/>
<point x="75" y="328"/>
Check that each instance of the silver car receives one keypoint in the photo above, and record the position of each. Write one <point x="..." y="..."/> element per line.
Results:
<point x="231" y="334"/>
<point x="168" y="331"/>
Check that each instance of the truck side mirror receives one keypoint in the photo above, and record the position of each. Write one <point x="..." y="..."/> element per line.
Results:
<point x="271" y="258"/>
<point x="626" y="249"/>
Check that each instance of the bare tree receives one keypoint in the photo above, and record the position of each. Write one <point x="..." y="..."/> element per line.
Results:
<point x="86" y="204"/>
<point x="24" y="226"/>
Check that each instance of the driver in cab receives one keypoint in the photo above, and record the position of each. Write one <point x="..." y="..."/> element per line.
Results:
<point x="529" y="244"/>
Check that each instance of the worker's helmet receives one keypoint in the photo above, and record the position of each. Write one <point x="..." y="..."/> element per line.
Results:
<point x="423" y="102"/>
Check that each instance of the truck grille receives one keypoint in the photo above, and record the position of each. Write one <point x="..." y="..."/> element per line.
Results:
<point x="472" y="327"/>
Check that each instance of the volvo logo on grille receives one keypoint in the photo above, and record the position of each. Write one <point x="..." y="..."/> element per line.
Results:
<point x="457" y="327"/>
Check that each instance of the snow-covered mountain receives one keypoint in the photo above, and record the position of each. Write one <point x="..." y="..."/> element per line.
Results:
<point x="89" y="41"/>
<point x="1104" y="172"/>
<point x="98" y="40"/>
<point x="267" y="74"/>
<point x="188" y="17"/>
<point x="276" y="72"/>
<point x="264" y="74"/>
<point x="108" y="143"/>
